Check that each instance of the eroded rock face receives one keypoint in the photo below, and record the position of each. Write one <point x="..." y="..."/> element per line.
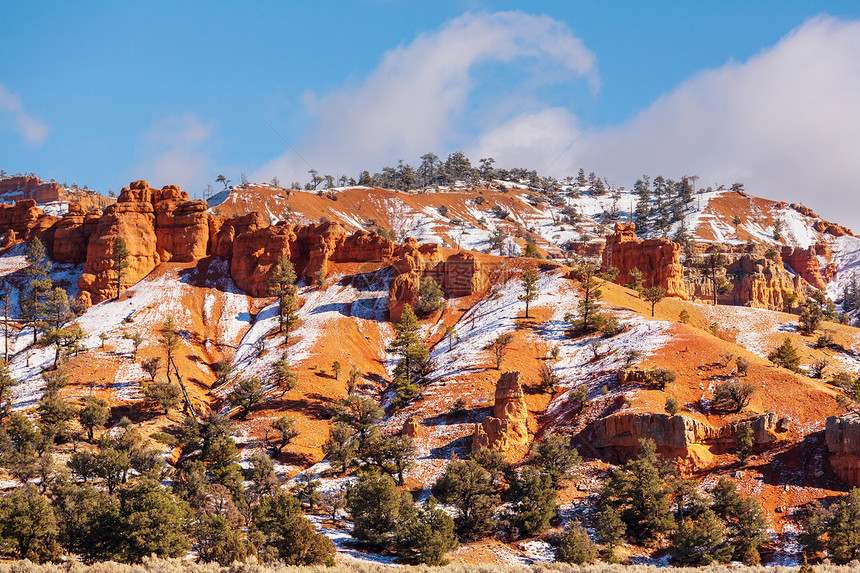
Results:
<point x="679" y="436"/>
<point x="507" y="428"/>
<point x="181" y="226"/>
<point x="658" y="259"/>
<point x="805" y="263"/>
<point x="757" y="277"/>
<point x="72" y="234"/>
<point x="132" y="217"/>
<point x="461" y="274"/>
<point x="255" y="253"/>
<point x="842" y="434"/>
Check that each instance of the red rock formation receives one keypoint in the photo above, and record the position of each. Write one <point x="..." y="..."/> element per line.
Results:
<point x="681" y="437"/>
<point x="132" y="217"/>
<point x="842" y="434"/>
<point x="805" y="263"/>
<point x="72" y="234"/>
<point x="224" y="231"/>
<point x="461" y="274"/>
<point x="255" y="253"/>
<point x="658" y="259"/>
<point x="507" y="428"/>
<point x="181" y="226"/>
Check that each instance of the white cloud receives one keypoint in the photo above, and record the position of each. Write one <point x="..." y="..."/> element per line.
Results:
<point x="14" y="117"/>
<point x="175" y="152"/>
<point x="786" y="123"/>
<point x="413" y="101"/>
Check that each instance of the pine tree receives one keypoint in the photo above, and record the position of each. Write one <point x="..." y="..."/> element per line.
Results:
<point x="282" y="284"/>
<point x="529" y="284"/>
<point x="642" y="188"/>
<point x="469" y="488"/>
<point x="588" y="317"/>
<point x="120" y="261"/>
<point x="38" y="284"/>
<point x="413" y="353"/>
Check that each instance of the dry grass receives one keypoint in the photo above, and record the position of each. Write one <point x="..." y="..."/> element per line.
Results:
<point x="177" y="566"/>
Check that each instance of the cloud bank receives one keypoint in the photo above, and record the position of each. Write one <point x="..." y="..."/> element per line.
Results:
<point x="785" y="122"/>
<point x="416" y="98"/>
<point x="13" y="117"/>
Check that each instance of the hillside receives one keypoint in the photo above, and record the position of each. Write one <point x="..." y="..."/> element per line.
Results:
<point x="361" y="254"/>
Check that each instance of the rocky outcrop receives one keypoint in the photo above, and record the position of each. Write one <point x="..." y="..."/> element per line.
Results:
<point x="805" y="263"/>
<point x="461" y="274"/>
<point x="224" y="231"/>
<point x="132" y="217"/>
<point x="658" y="259"/>
<point x="757" y="278"/>
<point x="72" y="234"/>
<point x="618" y="435"/>
<point x="821" y="225"/>
<point x="26" y="220"/>
<point x="255" y="253"/>
<point x="181" y="226"/>
<point x="507" y="428"/>
<point x="842" y="434"/>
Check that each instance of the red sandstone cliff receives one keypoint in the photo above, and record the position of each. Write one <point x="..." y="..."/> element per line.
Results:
<point x="658" y="259"/>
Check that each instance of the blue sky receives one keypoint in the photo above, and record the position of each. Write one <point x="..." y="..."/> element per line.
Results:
<point x="100" y="93"/>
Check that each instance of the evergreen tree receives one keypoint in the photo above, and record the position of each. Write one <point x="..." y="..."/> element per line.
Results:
<point x="377" y="509"/>
<point x="282" y="284"/>
<point x="120" y="261"/>
<point x="555" y="457"/>
<point x="529" y="281"/>
<point x="93" y="414"/>
<point x="588" y="317"/>
<point x="430" y="297"/>
<point x="428" y="533"/>
<point x="28" y="521"/>
<point x="575" y="546"/>
<point x="287" y="536"/>
<point x="469" y="488"/>
<point x="639" y="492"/>
<point x="534" y="501"/>
<point x="151" y="521"/>
<point x="37" y="285"/>
<point x="413" y="353"/>
<point x="654" y="295"/>
<point x="642" y="188"/>
<point x="786" y="355"/>
<point x="248" y="393"/>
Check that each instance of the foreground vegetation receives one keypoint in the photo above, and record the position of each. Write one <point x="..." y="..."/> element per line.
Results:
<point x="154" y="565"/>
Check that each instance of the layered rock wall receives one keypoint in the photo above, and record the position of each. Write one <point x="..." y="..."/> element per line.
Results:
<point x="658" y="259"/>
<point x="679" y="436"/>
<point x="757" y="278"/>
<point x="164" y="225"/>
